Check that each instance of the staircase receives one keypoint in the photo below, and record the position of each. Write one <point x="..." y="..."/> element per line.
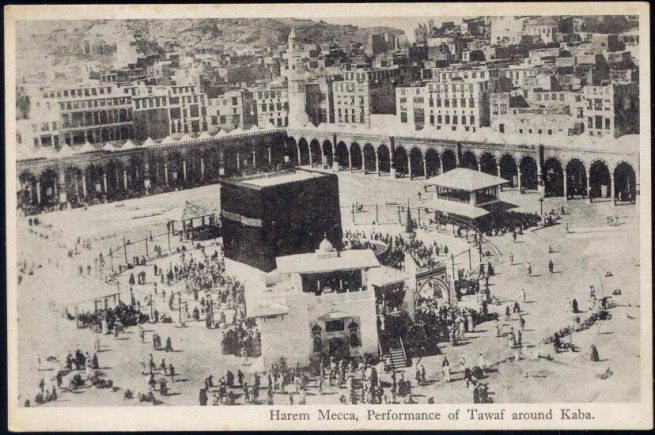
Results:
<point x="396" y="350"/>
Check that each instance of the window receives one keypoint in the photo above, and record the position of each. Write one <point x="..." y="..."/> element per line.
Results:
<point x="607" y="124"/>
<point x="580" y="112"/>
<point x="353" y="331"/>
<point x="599" y="122"/>
<point x="471" y="102"/>
<point x="403" y="117"/>
<point x="431" y="119"/>
<point x="495" y="109"/>
<point x="590" y="122"/>
<point x="539" y="97"/>
<point x="438" y="102"/>
<point x="447" y="119"/>
<point x="540" y="131"/>
<point x="454" y="102"/>
<point x="454" y="119"/>
<point x="501" y="128"/>
<point x="503" y="109"/>
<point x="334" y="326"/>
<point x="598" y="104"/>
<point x="550" y="131"/>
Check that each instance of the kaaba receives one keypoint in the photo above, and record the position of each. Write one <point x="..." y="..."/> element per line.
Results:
<point x="279" y="214"/>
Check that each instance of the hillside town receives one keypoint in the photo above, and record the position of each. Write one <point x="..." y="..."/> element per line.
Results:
<point x="530" y="77"/>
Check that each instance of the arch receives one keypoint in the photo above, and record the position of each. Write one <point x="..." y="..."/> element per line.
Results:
<point x="291" y="151"/>
<point x="625" y="183"/>
<point x="176" y="169"/>
<point x="48" y="180"/>
<point x="27" y="195"/>
<point x="114" y="171"/>
<point x="449" y="159"/>
<point x="553" y="177"/>
<point x="315" y="152"/>
<point x="469" y="161"/>
<point x="341" y="155"/>
<point x="599" y="180"/>
<point x="94" y="175"/>
<point x="528" y="169"/>
<point x="416" y="162"/>
<point x="488" y="164"/>
<point x="508" y="169"/>
<point x="384" y="158"/>
<point x="576" y="179"/>
<point x="327" y="152"/>
<point x="356" y="156"/>
<point x="73" y="183"/>
<point x="303" y="149"/>
<point x="211" y="161"/>
<point x="135" y="173"/>
<point x="400" y="160"/>
<point x="432" y="164"/>
<point x="369" y="158"/>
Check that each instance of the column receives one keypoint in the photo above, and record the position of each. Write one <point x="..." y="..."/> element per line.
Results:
<point x="77" y="186"/>
<point x="588" y="185"/>
<point x="38" y="192"/>
<point x="612" y="189"/>
<point x="363" y="162"/>
<point x="409" y="168"/>
<point x="104" y="181"/>
<point x="540" y="179"/>
<point x="254" y="158"/>
<point x="118" y="180"/>
<point x="425" y="168"/>
<point x="166" y="172"/>
<point x="298" y="151"/>
<point x="125" y="178"/>
<point x="270" y="155"/>
<point x="566" y="187"/>
<point x="392" y="168"/>
<point x="310" y="156"/>
<point x="377" y="163"/>
<point x="518" y="177"/>
<point x="84" y="192"/>
<point x="498" y="170"/>
<point x="350" y="161"/>
<point x="184" y="169"/>
<point x="60" y="186"/>
<point x="239" y="161"/>
<point x="441" y="166"/>
<point x="146" y="175"/>
<point x="202" y="167"/>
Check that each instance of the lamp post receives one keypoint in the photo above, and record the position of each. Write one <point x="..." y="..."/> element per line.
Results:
<point x="540" y="195"/>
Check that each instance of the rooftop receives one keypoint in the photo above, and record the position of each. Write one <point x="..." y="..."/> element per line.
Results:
<point x="288" y="177"/>
<point x="466" y="179"/>
<point x="317" y="263"/>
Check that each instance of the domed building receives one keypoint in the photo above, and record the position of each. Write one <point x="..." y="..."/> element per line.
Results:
<point x="318" y="304"/>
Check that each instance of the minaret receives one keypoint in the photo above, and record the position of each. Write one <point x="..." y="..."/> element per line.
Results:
<point x="296" y="83"/>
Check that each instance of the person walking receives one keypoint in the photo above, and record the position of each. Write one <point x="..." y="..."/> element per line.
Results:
<point x="511" y="259"/>
<point x="523" y="296"/>
<point x="528" y="269"/>
<point x="445" y="366"/>
<point x="551" y="266"/>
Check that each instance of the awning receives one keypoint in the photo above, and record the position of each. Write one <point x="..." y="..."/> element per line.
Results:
<point x="335" y="315"/>
<point x="458" y="208"/>
<point x="268" y="310"/>
<point x="384" y="276"/>
<point x="312" y="263"/>
<point x="466" y="179"/>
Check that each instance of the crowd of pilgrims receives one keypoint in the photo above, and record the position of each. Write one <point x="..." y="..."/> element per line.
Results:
<point x="425" y="255"/>
<point x="358" y="376"/>
<point x="206" y="280"/>
<point x="116" y="318"/>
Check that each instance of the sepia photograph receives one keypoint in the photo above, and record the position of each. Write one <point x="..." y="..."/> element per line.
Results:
<point x="329" y="219"/>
